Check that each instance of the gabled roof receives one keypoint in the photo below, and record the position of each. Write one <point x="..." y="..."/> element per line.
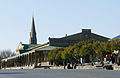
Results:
<point x="37" y="46"/>
<point x="27" y="46"/>
<point x="79" y="36"/>
<point x="116" y="37"/>
<point x="46" y="48"/>
<point x="31" y="47"/>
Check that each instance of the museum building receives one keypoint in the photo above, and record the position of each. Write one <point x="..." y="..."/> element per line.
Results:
<point x="31" y="55"/>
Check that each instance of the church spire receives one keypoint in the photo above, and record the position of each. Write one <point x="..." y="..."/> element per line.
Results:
<point x="33" y="38"/>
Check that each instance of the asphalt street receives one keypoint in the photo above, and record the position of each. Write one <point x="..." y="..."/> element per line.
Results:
<point x="59" y="73"/>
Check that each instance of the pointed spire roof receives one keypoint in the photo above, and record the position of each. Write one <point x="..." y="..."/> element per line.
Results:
<point x="33" y="38"/>
<point x="33" y="26"/>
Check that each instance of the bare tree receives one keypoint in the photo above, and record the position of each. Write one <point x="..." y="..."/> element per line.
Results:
<point x="6" y="54"/>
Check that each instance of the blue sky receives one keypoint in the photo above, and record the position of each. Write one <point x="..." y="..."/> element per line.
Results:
<point x="55" y="18"/>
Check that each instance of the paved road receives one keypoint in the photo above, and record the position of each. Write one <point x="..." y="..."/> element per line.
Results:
<point x="50" y="73"/>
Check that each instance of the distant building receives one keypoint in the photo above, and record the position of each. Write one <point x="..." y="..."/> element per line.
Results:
<point x="117" y="37"/>
<point x="33" y="54"/>
<point x="66" y="41"/>
<point x="32" y="41"/>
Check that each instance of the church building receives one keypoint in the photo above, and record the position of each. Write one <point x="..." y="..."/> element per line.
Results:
<point x="31" y="55"/>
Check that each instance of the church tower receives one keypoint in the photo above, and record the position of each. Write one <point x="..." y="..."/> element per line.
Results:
<point x="33" y="38"/>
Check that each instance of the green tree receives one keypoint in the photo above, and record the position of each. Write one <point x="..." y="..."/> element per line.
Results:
<point x="58" y="56"/>
<point x="55" y="54"/>
<point x="90" y="47"/>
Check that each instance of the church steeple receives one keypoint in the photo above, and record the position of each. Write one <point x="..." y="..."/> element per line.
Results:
<point x="33" y="38"/>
